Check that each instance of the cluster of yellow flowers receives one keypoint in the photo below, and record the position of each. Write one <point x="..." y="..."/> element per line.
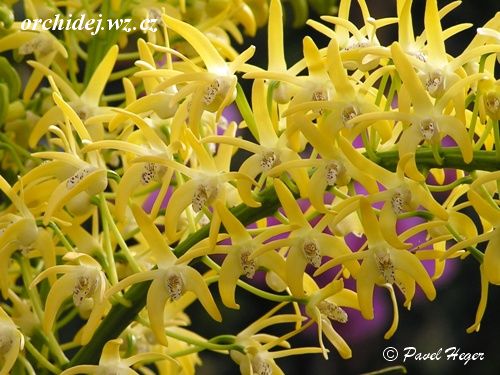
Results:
<point x="360" y="132"/>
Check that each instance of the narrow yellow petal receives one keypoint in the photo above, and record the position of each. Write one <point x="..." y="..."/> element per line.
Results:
<point x="434" y="33"/>
<point x="425" y="198"/>
<point x="62" y="289"/>
<point x="365" y="283"/>
<point x="130" y="181"/>
<point x="395" y="312"/>
<point x="196" y="284"/>
<point x="369" y="222"/>
<point x="492" y="258"/>
<point x="132" y="279"/>
<point x="337" y="73"/>
<point x="289" y="204"/>
<point x="420" y="98"/>
<point x="159" y="247"/>
<point x="482" y="302"/>
<point x="456" y="130"/>
<point x="409" y="263"/>
<point x="73" y="117"/>
<point x="235" y="229"/>
<point x="337" y="341"/>
<point x="180" y="199"/>
<point x="62" y="85"/>
<point x="250" y="167"/>
<point x="388" y="220"/>
<point x="155" y="303"/>
<point x="317" y="186"/>
<point x="229" y="274"/>
<point x="295" y="267"/>
<point x="275" y="38"/>
<point x="81" y="369"/>
<point x="213" y="61"/>
<point x="206" y="161"/>
<point x="484" y="209"/>
<point x="96" y="85"/>
<point x="267" y="134"/>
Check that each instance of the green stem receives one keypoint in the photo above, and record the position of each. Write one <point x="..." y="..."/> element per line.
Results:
<point x="256" y="291"/>
<point x="476" y="253"/>
<point x="450" y="186"/>
<point x="246" y="111"/>
<point x="27" y="365"/>
<point x="61" y="236"/>
<point x="40" y="358"/>
<point x="106" y="215"/>
<point x="108" y="249"/>
<point x="451" y="158"/>
<point x="203" y="345"/>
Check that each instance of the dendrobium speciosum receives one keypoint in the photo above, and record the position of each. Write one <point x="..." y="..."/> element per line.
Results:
<point x="324" y="306"/>
<point x="149" y="163"/>
<point x="383" y="265"/>
<point x="307" y="244"/>
<point x="170" y="280"/>
<point x="85" y="282"/>
<point x="239" y="259"/>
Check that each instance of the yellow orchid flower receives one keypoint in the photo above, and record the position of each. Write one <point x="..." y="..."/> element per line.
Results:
<point x="324" y="306"/>
<point x="348" y="101"/>
<point x="257" y="357"/>
<point x="18" y="230"/>
<point x="209" y="182"/>
<point x="490" y="213"/>
<point x="315" y="87"/>
<point x="143" y="340"/>
<point x="276" y="52"/>
<point x="427" y="121"/>
<point x="43" y="44"/>
<point x="23" y="315"/>
<point x="81" y="179"/>
<point x="307" y="245"/>
<point x="383" y="265"/>
<point x="416" y="46"/>
<point x="212" y="89"/>
<point x="332" y="169"/>
<point x="271" y="150"/>
<point x="438" y="73"/>
<point x="490" y="105"/>
<point x="11" y="343"/>
<point x="170" y="280"/>
<point x="140" y="143"/>
<point x="85" y="282"/>
<point x="401" y="195"/>
<point x="86" y="106"/>
<point x="161" y="102"/>
<point x="354" y="48"/>
<point x="239" y="260"/>
<point x="112" y="363"/>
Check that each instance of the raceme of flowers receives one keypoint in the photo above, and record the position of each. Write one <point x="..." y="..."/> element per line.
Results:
<point x="129" y="194"/>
